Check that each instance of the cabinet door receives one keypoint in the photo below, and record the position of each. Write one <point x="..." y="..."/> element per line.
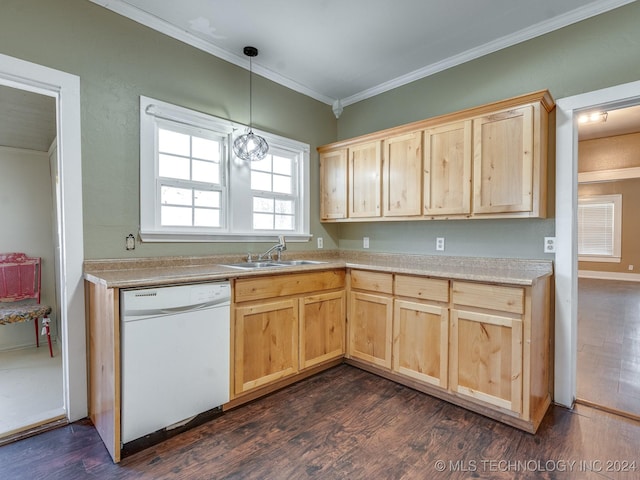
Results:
<point x="365" y="164"/>
<point x="486" y="358"/>
<point x="402" y="175"/>
<point x="333" y="184"/>
<point x="447" y="169"/>
<point x="322" y="327"/>
<point x="266" y="343"/>
<point x="503" y="162"/>
<point x="420" y="341"/>
<point x="370" y="334"/>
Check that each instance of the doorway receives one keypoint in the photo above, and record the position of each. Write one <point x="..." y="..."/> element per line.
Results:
<point x="30" y="380"/>
<point x="566" y="265"/>
<point x="64" y="88"/>
<point x="608" y="351"/>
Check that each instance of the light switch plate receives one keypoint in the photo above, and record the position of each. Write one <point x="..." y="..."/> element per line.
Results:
<point x="365" y="242"/>
<point x="320" y="242"/>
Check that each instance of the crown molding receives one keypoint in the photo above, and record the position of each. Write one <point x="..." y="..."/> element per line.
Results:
<point x="590" y="10"/>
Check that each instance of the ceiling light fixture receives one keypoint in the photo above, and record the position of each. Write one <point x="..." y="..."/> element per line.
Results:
<point x="594" y="117"/>
<point x="249" y="146"/>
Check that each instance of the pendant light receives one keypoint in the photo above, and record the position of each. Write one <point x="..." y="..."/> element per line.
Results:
<point x="249" y="146"/>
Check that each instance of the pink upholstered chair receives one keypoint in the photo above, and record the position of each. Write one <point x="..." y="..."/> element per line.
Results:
<point x="19" y="283"/>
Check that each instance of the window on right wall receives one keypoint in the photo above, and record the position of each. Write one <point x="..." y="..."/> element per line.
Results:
<point x="599" y="228"/>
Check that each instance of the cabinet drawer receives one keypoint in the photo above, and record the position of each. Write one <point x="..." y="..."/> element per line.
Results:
<point x="247" y="289"/>
<point x="494" y="297"/>
<point x="422" y="288"/>
<point x="372" y="281"/>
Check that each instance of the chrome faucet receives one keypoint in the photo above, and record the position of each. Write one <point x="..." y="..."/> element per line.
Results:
<point x="279" y="247"/>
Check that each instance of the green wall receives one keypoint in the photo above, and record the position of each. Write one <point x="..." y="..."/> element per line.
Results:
<point x="117" y="60"/>
<point x="593" y="54"/>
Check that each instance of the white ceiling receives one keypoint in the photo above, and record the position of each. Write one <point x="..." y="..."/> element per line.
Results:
<point x="27" y="120"/>
<point x="349" y="50"/>
<point x="333" y="49"/>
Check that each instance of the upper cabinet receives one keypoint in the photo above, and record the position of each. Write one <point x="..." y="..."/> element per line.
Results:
<point x="402" y="175"/>
<point x="503" y="162"/>
<point x="333" y="178"/>
<point x="484" y="162"/>
<point x="365" y="164"/>
<point x="447" y="169"/>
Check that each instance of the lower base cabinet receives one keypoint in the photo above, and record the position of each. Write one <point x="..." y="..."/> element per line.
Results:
<point x="322" y="328"/>
<point x="266" y="346"/>
<point x="421" y="342"/>
<point x="486" y="358"/>
<point x="482" y="346"/>
<point x="284" y="324"/>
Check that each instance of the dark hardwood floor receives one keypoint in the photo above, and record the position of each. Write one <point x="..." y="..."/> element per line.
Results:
<point x="347" y="424"/>
<point x="608" y="366"/>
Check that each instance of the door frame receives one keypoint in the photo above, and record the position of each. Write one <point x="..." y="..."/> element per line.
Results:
<point x="566" y="266"/>
<point x="65" y="89"/>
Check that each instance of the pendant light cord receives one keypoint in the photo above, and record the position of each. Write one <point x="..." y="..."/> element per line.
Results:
<point x="251" y="94"/>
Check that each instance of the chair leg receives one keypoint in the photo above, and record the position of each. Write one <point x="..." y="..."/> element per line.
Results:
<point x="45" y="322"/>
<point x="35" y="322"/>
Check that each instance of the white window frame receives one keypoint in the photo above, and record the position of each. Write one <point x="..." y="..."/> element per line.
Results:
<point x="236" y="223"/>
<point x="616" y="200"/>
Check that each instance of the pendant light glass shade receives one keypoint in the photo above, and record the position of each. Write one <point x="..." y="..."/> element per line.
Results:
<point x="249" y="146"/>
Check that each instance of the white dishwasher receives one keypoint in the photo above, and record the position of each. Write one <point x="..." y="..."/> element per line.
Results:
<point x="175" y="355"/>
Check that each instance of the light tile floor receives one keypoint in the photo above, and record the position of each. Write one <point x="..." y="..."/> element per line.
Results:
<point x="608" y="372"/>
<point x="31" y="390"/>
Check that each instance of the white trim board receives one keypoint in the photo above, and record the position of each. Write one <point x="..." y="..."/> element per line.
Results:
<point x="65" y="88"/>
<point x="609" y="175"/>
<point x="623" y="276"/>
<point x="566" y="266"/>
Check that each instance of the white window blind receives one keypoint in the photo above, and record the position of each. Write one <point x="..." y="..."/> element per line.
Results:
<point x="599" y="227"/>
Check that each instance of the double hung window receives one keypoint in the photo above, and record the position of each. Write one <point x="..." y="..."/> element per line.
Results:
<point x="192" y="187"/>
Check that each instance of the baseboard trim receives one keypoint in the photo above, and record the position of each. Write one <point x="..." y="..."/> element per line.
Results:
<point x="626" y="277"/>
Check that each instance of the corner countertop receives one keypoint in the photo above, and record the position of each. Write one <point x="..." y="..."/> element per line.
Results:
<point x="150" y="272"/>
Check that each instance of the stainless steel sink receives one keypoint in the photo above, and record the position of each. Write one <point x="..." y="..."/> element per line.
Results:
<point x="299" y="262"/>
<point x="251" y="265"/>
<point x="271" y="264"/>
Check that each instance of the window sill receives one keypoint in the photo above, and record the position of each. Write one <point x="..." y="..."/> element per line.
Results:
<point x="599" y="259"/>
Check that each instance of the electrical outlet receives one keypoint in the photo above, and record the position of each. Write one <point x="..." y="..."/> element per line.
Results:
<point x="440" y="244"/>
<point x="549" y="244"/>
<point x="365" y="242"/>
<point x="630" y="267"/>
<point x="320" y="242"/>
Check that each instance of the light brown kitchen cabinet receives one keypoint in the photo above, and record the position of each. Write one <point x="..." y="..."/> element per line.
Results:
<point x="488" y="161"/>
<point x="402" y="175"/>
<point x="266" y="343"/>
<point x="333" y="184"/>
<point x="447" y="169"/>
<point x="370" y="317"/>
<point x="503" y="151"/>
<point x="322" y="328"/>
<point x="284" y="324"/>
<point x="499" y="347"/>
<point x="421" y="329"/>
<point x="364" y="193"/>
<point x="486" y="358"/>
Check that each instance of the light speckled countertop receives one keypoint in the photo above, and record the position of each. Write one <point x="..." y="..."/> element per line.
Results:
<point x="148" y="272"/>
